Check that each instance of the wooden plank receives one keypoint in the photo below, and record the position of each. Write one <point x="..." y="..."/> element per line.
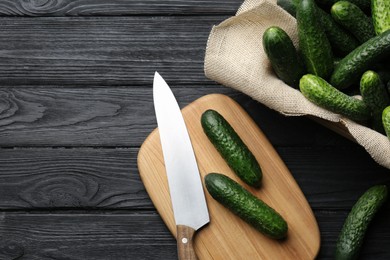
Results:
<point x="36" y="178"/>
<point x="71" y="178"/>
<point x="124" y="116"/>
<point x="139" y="235"/>
<point x="121" y="116"/>
<point x="85" y="236"/>
<point x="103" y="50"/>
<point x="116" y="7"/>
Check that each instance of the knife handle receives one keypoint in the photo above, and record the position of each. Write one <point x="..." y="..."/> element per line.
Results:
<point x="185" y="245"/>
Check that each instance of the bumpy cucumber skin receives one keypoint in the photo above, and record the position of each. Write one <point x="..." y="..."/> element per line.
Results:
<point x="351" y="67"/>
<point x="356" y="224"/>
<point x="341" y="41"/>
<point x="314" y="44"/>
<point x="289" y="5"/>
<point x="283" y="56"/>
<point x="386" y="121"/>
<point x="353" y="19"/>
<point x="380" y="15"/>
<point x="245" y="205"/>
<point x="231" y="147"/>
<point x="375" y="96"/>
<point x="362" y="4"/>
<point x="321" y="93"/>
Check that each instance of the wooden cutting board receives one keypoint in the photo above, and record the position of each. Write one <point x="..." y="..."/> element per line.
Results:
<point x="227" y="236"/>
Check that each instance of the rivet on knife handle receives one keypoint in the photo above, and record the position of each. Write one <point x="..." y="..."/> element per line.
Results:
<point x="185" y="245"/>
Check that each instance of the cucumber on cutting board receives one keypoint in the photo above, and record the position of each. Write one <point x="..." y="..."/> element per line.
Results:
<point x="353" y="19"/>
<point x="321" y="93"/>
<point x="314" y="44"/>
<point x="231" y="147"/>
<point x="351" y="67"/>
<point x="356" y="224"/>
<point x="380" y="15"/>
<point x="283" y="56"/>
<point x="245" y="205"/>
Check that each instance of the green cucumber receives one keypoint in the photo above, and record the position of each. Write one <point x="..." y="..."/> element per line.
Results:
<point x="353" y="19"/>
<point x="351" y="67"/>
<point x="231" y="147"/>
<point x="373" y="91"/>
<point x="321" y="93"/>
<point x="342" y="42"/>
<point x="386" y="120"/>
<point x="374" y="94"/>
<point x="245" y="205"/>
<point x="289" y="5"/>
<point x="363" y="4"/>
<point x="380" y="15"/>
<point x="357" y="222"/>
<point x="314" y="44"/>
<point x="283" y="56"/>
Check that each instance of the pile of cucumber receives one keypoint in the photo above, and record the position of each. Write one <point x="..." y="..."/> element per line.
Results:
<point x="344" y="50"/>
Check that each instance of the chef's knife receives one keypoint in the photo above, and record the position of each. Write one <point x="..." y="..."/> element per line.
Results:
<point x="185" y="186"/>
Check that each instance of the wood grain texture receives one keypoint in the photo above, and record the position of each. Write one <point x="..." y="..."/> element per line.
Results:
<point x="278" y="189"/>
<point x="71" y="178"/>
<point x="121" y="116"/>
<point x="115" y="7"/>
<point x="75" y="236"/>
<point x="103" y="51"/>
<point x="45" y="178"/>
<point x="185" y="243"/>
<point x="139" y="235"/>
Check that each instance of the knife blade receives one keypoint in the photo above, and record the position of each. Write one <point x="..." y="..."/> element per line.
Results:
<point x="185" y="186"/>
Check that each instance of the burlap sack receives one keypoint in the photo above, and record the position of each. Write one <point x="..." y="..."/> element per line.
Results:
<point x="235" y="58"/>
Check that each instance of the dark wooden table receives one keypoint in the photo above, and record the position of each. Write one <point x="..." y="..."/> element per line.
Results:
<point x="76" y="104"/>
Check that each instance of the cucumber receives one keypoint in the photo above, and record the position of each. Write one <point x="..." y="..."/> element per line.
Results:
<point x="288" y="5"/>
<point x="283" y="56"/>
<point x="342" y="42"/>
<point x="353" y="19"/>
<point x="380" y="15"/>
<point x="375" y="96"/>
<point x="356" y="224"/>
<point x="386" y="120"/>
<point x="314" y="44"/>
<point x="321" y="93"/>
<point x="245" y="205"/>
<point x="231" y="147"/>
<point x="351" y="67"/>
<point x="365" y="5"/>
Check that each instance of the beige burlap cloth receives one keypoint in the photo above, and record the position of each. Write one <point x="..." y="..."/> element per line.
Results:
<point x="235" y="58"/>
